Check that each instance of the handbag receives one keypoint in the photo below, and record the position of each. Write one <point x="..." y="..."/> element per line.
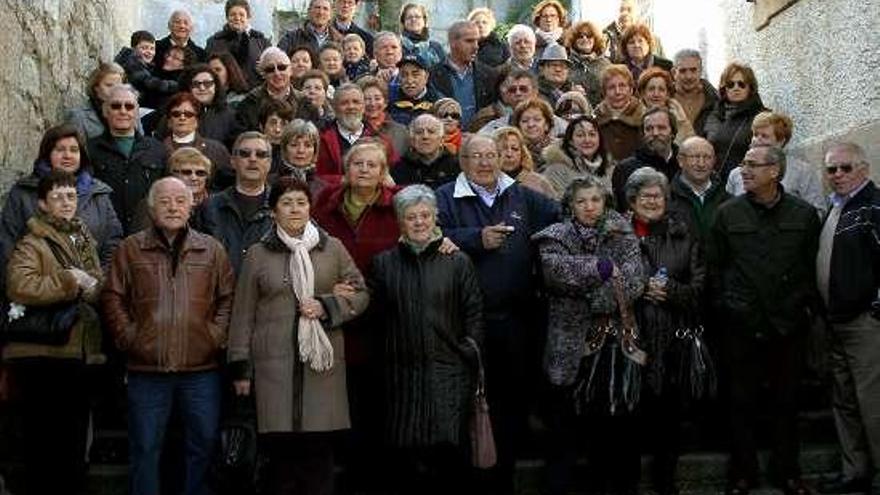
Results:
<point x="50" y="324"/>
<point x="696" y="370"/>
<point x="610" y="373"/>
<point x="235" y="469"/>
<point x="483" y="453"/>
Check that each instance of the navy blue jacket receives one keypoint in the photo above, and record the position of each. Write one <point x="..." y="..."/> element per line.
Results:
<point x="506" y="273"/>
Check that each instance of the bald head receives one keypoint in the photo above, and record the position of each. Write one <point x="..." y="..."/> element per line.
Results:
<point x="697" y="160"/>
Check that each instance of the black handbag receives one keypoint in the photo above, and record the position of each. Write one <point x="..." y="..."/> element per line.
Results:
<point x="50" y="324"/>
<point x="697" y="378"/>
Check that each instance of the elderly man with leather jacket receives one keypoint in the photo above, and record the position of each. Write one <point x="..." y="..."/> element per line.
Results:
<point x="167" y="304"/>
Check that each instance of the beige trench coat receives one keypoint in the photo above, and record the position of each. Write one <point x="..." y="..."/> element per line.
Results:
<point x="290" y="396"/>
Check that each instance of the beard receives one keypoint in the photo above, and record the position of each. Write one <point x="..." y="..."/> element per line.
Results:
<point x="660" y="146"/>
<point x="350" y="122"/>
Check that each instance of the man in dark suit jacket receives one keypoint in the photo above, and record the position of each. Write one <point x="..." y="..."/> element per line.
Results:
<point x="461" y="76"/>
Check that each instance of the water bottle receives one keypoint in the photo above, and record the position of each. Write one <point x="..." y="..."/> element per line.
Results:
<point x="661" y="277"/>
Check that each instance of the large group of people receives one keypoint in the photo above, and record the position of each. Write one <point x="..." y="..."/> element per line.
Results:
<point x="345" y="230"/>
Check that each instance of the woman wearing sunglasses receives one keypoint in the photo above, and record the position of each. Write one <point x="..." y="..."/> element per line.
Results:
<point x="183" y="112"/>
<point x="728" y="127"/>
<point x="449" y="112"/>
<point x="217" y="118"/>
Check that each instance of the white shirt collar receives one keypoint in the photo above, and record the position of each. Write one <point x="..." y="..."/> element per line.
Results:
<point x="463" y="187"/>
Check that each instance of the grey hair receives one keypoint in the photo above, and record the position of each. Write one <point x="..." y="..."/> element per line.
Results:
<point x="776" y="155"/>
<point x="469" y="140"/>
<point x="345" y="88"/>
<point x="248" y="135"/>
<point x="151" y="194"/>
<point x="586" y="181"/>
<point x="128" y="88"/>
<point x="644" y="177"/>
<point x="426" y="116"/>
<point x="857" y="152"/>
<point x="456" y="29"/>
<point x="412" y="195"/>
<point x="300" y="128"/>
<point x="687" y="53"/>
<point x="272" y="51"/>
<point x="520" y="30"/>
<point x="386" y="34"/>
<point x="181" y="13"/>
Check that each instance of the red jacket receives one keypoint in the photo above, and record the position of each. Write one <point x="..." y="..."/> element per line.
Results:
<point x="330" y="151"/>
<point x="377" y="231"/>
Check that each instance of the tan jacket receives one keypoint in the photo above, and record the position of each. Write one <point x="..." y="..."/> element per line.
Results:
<point x="169" y="320"/>
<point x="34" y="276"/>
<point x="291" y="396"/>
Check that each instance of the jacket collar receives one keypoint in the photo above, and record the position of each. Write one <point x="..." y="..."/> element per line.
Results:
<point x="192" y="242"/>
<point x="224" y="200"/>
<point x="463" y="187"/>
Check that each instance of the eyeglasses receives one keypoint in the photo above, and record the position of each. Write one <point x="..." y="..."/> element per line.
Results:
<point x="520" y="88"/>
<point x="188" y="172"/>
<point x="477" y="156"/>
<point x="203" y="84"/>
<point x="450" y="115"/>
<point x="650" y="197"/>
<point x="247" y="153"/>
<point x="733" y="84"/>
<point x="118" y="105"/>
<point x="268" y="69"/>
<point x="751" y="165"/>
<point x="843" y="167"/>
<point x="69" y="197"/>
<point x="182" y="113"/>
<point x="584" y="34"/>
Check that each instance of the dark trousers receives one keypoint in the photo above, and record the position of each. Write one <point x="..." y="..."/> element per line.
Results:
<point x="363" y="467"/>
<point x="433" y="470"/>
<point x="751" y="361"/>
<point x="298" y="463"/>
<point x="660" y="420"/>
<point x="55" y="405"/>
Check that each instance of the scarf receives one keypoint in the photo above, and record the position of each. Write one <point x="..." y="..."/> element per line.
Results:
<point x="314" y="346"/>
<point x="584" y="164"/>
<point x="299" y="173"/>
<point x="354" y="209"/>
<point x="536" y="148"/>
<point x="549" y="37"/>
<point x="419" y="248"/>
<point x="452" y="142"/>
<point x="79" y="241"/>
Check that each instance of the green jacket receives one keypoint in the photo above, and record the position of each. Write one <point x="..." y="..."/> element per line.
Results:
<point x="764" y="261"/>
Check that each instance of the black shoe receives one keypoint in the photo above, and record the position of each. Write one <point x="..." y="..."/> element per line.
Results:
<point x="843" y="484"/>
<point x="738" y="487"/>
<point x="795" y="486"/>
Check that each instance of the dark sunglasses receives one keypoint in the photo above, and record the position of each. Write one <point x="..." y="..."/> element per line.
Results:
<point x="733" y="84"/>
<point x="182" y="113"/>
<point x="521" y="88"/>
<point x="247" y="153"/>
<point x="275" y="68"/>
<point x="187" y="172"/>
<point x="116" y="105"/>
<point x="203" y="84"/>
<point x="845" y="168"/>
<point x="450" y="115"/>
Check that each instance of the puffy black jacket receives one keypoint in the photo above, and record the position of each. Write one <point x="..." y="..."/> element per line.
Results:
<point x="493" y="51"/>
<point x="412" y="170"/>
<point x="245" y="47"/>
<point x="222" y="219"/>
<point x="429" y="303"/>
<point x="763" y="264"/>
<point x="855" y="259"/>
<point x="130" y="177"/>
<point x="729" y="129"/>
<point x="153" y="89"/>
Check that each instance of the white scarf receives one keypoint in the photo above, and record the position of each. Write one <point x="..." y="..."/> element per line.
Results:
<point x="549" y="37"/>
<point x="314" y="346"/>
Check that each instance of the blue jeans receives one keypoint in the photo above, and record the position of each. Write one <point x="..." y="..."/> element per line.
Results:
<point x="150" y="399"/>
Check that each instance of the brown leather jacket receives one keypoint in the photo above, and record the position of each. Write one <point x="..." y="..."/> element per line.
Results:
<point x="167" y="319"/>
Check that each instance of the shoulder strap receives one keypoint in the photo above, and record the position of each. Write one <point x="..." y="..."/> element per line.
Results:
<point x="481" y="373"/>
<point x="58" y="253"/>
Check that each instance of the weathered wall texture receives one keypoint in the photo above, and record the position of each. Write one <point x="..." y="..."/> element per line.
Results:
<point x="817" y="61"/>
<point x="50" y="46"/>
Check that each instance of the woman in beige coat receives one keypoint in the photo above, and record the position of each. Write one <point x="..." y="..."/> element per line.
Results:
<point x="297" y="286"/>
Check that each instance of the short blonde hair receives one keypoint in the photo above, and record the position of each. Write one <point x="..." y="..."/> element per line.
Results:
<point x="560" y="9"/>
<point x="616" y="70"/>
<point x="781" y="124"/>
<point x="366" y="145"/>
<point x="188" y="154"/>
<point x="525" y="158"/>
<point x="482" y="11"/>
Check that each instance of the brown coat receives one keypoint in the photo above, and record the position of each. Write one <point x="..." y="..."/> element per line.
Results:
<point x="291" y="396"/>
<point x="169" y="320"/>
<point x="621" y="131"/>
<point x="36" y="277"/>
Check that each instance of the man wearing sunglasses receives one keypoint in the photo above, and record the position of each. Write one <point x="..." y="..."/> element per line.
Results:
<point x="762" y="254"/>
<point x="518" y="86"/>
<point x="848" y="273"/>
<point x="240" y="215"/>
<point x="123" y="157"/>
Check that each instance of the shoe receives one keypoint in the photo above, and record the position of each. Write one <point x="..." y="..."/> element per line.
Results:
<point x="795" y="486"/>
<point x="842" y="484"/>
<point x="738" y="487"/>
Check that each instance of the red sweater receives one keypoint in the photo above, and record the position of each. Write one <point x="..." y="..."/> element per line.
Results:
<point x="330" y="150"/>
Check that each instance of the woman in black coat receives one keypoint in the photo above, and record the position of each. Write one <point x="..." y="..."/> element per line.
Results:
<point x="493" y="50"/>
<point x="668" y="307"/>
<point x="432" y="308"/>
<point x="729" y="126"/>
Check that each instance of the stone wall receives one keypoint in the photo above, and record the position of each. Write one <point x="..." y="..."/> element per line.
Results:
<point x="50" y="46"/>
<point x="816" y="61"/>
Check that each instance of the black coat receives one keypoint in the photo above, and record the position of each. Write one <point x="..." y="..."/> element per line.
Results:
<point x="700" y="214"/>
<point x="429" y="303"/>
<point x="729" y="129"/>
<point x="711" y="101"/>
<point x="642" y="158"/>
<point x="153" y="89"/>
<point x="245" y="47"/>
<point x="363" y="33"/>
<point x="222" y="219"/>
<point x="163" y="45"/>
<point x="763" y="264"/>
<point x="493" y="51"/>
<point x="855" y="258"/>
<point x="669" y="244"/>
<point x="412" y="170"/>
<point x="130" y="177"/>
